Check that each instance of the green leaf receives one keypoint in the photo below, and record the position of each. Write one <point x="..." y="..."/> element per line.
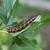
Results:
<point x="7" y="5"/>
<point x="46" y="19"/>
<point x="3" y="19"/>
<point x="24" y="42"/>
<point x="37" y="47"/>
<point x="13" y="12"/>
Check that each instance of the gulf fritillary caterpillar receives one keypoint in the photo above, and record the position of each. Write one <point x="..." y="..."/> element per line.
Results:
<point x="14" y="30"/>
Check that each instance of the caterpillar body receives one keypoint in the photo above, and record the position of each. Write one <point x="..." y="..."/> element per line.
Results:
<point x="14" y="30"/>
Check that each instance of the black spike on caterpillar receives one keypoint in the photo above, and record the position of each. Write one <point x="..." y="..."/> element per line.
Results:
<point x="14" y="30"/>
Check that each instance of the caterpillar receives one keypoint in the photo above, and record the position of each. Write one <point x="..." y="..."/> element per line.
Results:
<point x="14" y="30"/>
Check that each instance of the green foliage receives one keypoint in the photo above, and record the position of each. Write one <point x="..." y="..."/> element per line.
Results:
<point x="4" y="38"/>
<point x="11" y="16"/>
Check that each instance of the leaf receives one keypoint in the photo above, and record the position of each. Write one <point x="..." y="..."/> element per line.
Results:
<point x="46" y="19"/>
<point x="18" y="41"/>
<point x="3" y="19"/>
<point x="7" y="6"/>
<point x="23" y="42"/>
<point x="13" y="12"/>
<point x="37" y="47"/>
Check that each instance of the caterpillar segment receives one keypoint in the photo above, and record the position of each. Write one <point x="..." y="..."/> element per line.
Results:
<point x="14" y="30"/>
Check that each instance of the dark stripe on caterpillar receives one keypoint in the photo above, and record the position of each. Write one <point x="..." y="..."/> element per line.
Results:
<point x="14" y="30"/>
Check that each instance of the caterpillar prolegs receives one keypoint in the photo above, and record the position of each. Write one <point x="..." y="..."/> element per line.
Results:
<point x="14" y="30"/>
